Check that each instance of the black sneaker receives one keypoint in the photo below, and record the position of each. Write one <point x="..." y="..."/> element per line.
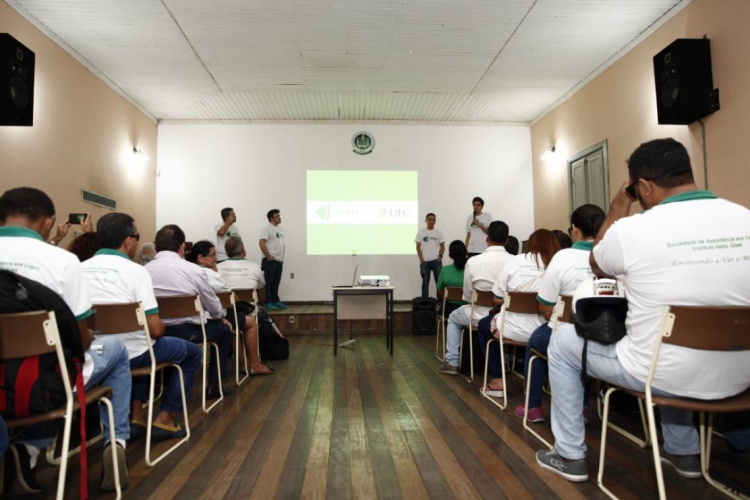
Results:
<point x="25" y="480"/>
<point x="108" y="468"/>
<point x="213" y="392"/>
<point x="685" y="465"/>
<point x="572" y="470"/>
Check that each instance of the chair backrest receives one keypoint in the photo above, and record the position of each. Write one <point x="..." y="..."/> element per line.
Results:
<point x="226" y="299"/>
<point x="521" y="302"/>
<point x="455" y="293"/>
<point x="245" y="294"/>
<point x="116" y="318"/>
<point x="708" y="328"/>
<point x="565" y="308"/>
<point x="27" y="334"/>
<point x="179" y="306"/>
<point x="483" y="298"/>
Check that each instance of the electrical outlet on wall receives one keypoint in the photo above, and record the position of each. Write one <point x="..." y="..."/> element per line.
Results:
<point x="291" y="319"/>
<point x="291" y="276"/>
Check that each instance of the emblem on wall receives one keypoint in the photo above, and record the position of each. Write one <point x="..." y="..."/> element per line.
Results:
<point x="363" y="143"/>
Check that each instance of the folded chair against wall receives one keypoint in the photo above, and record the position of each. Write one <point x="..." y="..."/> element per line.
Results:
<point x="33" y="334"/>
<point x="723" y="329"/>
<point x="563" y="313"/>
<point x="515" y="302"/>
<point x="454" y="293"/>
<point x="479" y="298"/>
<point x="123" y="318"/>
<point x="229" y="301"/>
<point x="188" y="306"/>
<point x="250" y="296"/>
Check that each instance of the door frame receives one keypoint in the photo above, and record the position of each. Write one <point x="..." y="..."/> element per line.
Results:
<point x="600" y="145"/>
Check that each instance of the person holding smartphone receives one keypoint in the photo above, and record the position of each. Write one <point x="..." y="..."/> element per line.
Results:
<point x="476" y="228"/>
<point x="84" y="219"/>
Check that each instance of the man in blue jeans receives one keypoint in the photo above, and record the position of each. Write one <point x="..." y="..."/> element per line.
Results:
<point x="273" y="248"/>
<point x="27" y="216"/>
<point x="113" y="278"/>
<point x="675" y="211"/>
<point x="430" y="248"/>
<point x="172" y="275"/>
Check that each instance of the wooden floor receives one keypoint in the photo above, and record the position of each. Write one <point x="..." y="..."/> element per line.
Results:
<point x="365" y="425"/>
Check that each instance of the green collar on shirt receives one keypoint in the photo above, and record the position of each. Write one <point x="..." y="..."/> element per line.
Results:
<point x="698" y="194"/>
<point x="20" y="232"/>
<point x="109" y="251"/>
<point x="583" y="245"/>
<point x="235" y="258"/>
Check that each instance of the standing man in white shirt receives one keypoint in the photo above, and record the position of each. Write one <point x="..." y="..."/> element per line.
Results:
<point x="480" y="273"/>
<point x="477" y="225"/>
<point x="27" y="216"/>
<point x="272" y="245"/>
<point x="660" y="257"/>
<point x="224" y="231"/>
<point x="430" y="249"/>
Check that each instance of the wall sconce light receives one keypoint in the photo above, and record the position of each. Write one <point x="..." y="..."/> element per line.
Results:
<point x="550" y="153"/>
<point x="139" y="157"/>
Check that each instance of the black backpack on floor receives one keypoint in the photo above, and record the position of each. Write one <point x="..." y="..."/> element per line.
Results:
<point x="273" y="345"/>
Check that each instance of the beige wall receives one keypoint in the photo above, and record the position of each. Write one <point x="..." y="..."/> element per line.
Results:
<point x="82" y="137"/>
<point x="620" y="106"/>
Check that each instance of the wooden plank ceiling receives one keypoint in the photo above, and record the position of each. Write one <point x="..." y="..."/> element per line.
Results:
<point x="426" y="60"/>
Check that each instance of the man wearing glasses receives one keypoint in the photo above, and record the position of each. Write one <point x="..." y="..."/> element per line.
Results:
<point x="272" y="246"/>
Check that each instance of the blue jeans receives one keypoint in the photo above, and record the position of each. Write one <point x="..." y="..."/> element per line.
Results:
<point x="111" y="369"/>
<point x="539" y="340"/>
<point x="425" y="268"/>
<point x="485" y="335"/>
<point x="216" y="331"/>
<point x="169" y="350"/>
<point x="3" y="437"/>
<point x="272" y="270"/>
<point x="456" y="322"/>
<point x="680" y="434"/>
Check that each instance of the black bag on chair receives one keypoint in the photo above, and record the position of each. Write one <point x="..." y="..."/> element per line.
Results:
<point x="423" y="316"/>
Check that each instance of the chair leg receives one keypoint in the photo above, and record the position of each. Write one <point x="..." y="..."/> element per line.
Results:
<point x="64" y="455"/>
<point x="112" y="446"/>
<point x="643" y="443"/>
<point x="486" y="372"/>
<point x="655" y="448"/>
<point x="706" y="437"/>
<point x="526" y="405"/>
<point x="502" y="370"/>
<point x="440" y="330"/>
<point x="240" y="344"/>
<point x="149" y="461"/>
<point x="205" y="378"/>
<point x="603" y="445"/>
<point x="470" y="378"/>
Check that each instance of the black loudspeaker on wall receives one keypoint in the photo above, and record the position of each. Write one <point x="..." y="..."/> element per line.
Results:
<point x="16" y="82"/>
<point x="424" y="321"/>
<point x="684" y="83"/>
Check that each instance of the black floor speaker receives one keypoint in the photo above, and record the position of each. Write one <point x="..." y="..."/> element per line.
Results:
<point x="16" y="83"/>
<point x="423" y="317"/>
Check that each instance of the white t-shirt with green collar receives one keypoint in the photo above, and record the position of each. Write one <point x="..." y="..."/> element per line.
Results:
<point x="569" y="268"/>
<point x="692" y="249"/>
<point x="521" y="273"/>
<point x="429" y="243"/>
<point x="115" y="279"/>
<point x="477" y="237"/>
<point x="221" y="241"/>
<point x="274" y="237"/>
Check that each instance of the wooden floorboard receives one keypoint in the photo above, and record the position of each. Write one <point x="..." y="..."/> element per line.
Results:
<point x="365" y="424"/>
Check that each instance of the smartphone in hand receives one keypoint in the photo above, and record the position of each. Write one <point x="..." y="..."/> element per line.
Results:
<point x="76" y="218"/>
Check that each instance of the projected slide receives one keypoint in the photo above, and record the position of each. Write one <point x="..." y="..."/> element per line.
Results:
<point x="363" y="213"/>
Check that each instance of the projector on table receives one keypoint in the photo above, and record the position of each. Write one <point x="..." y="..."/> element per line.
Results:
<point x="374" y="281"/>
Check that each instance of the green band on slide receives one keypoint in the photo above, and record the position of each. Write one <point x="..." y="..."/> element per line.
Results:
<point x="348" y="185"/>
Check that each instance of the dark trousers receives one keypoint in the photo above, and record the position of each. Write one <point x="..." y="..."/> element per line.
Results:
<point x="425" y="268"/>
<point x="216" y="331"/>
<point x="272" y="270"/>
<point x="485" y="335"/>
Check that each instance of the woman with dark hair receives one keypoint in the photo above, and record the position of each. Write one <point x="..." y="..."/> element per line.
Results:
<point x="568" y="269"/>
<point x="453" y="275"/>
<point x="512" y="246"/>
<point x="563" y="239"/>
<point x="84" y="246"/>
<point x="203" y="254"/>
<point x="522" y="273"/>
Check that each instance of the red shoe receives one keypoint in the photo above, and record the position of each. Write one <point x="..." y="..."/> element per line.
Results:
<point x="535" y="414"/>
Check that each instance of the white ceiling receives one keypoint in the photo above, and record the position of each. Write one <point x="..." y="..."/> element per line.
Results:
<point x="426" y="60"/>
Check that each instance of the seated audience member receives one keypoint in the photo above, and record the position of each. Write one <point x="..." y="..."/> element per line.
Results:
<point x="644" y="251"/>
<point x="27" y="216"/>
<point x="568" y="268"/>
<point x="146" y="253"/>
<point x="87" y="226"/>
<point x="203" y="253"/>
<point x="512" y="246"/>
<point x="84" y="246"/>
<point x="240" y="273"/>
<point x="522" y="273"/>
<point x="453" y="274"/>
<point x="564" y="239"/>
<point x="480" y="273"/>
<point x="172" y="275"/>
<point x="113" y="278"/>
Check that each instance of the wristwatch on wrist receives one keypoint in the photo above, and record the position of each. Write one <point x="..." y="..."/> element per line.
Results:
<point x="441" y="256"/>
